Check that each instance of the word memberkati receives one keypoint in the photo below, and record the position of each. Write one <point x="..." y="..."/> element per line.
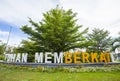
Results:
<point x="66" y="57"/>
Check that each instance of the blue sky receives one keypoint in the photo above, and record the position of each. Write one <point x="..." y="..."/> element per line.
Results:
<point x="16" y="34"/>
<point x="91" y="13"/>
<point x="15" y="14"/>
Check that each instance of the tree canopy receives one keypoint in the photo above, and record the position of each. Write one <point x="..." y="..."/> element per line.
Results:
<point x="57" y="31"/>
<point x="2" y="48"/>
<point x="116" y="43"/>
<point x="101" y="41"/>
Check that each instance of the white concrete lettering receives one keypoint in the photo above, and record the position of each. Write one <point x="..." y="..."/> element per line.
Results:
<point x="18" y="57"/>
<point x="39" y="57"/>
<point x="58" y="59"/>
<point x="24" y="57"/>
<point x="48" y="58"/>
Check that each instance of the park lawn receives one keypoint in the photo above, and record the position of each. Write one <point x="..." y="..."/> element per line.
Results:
<point x="18" y="75"/>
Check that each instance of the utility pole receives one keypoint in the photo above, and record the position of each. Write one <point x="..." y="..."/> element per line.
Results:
<point x="8" y="39"/>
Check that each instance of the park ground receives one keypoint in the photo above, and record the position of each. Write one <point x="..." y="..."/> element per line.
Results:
<point x="8" y="74"/>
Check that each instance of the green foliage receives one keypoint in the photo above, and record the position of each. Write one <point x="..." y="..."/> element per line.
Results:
<point x="27" y="47"/>
<point x="5" y="49"/>
<point x="101" y="41"/>
<point x="2" y="57"/>
<point x="56" y="32"/>
<point x="2" y="48"/>
<point x="77" y="69"/>
<point x="9" y="49"/>
<point x="114" y="46"/>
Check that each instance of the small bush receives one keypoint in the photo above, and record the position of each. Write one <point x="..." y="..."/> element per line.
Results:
<point x="112" y="68"/>
<point x="2" y="57"/>
<point x="41" y="69"/>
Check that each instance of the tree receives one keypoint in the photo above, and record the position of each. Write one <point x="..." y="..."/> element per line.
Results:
<point x="57" y="31"/>
<point x="101" y="41"/>
<point x="27" y="47"/>
<point x="2" y="48"/>
<point x="116" y="43"/>
<point x="5" y="48"/>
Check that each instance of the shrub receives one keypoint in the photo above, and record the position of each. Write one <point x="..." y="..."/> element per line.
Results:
<point x="2" y="57"/>
<point x="112" y="68"/>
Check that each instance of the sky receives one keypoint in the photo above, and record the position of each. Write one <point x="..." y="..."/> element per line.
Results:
<point x="103" y="14"/>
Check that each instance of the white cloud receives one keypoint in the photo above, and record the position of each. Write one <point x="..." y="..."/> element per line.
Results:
<point x="96" y="13"/>
<point x="14" y="39"/>
<point x="91" y="13"/>
<point x="3" y="36"/>
<point x="18" y="11"/>
<point x="3" y="33"/>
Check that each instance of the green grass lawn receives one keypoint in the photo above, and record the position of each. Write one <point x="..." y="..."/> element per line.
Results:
<point x="7" y="74"/>
<point x="58" y="76"/>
